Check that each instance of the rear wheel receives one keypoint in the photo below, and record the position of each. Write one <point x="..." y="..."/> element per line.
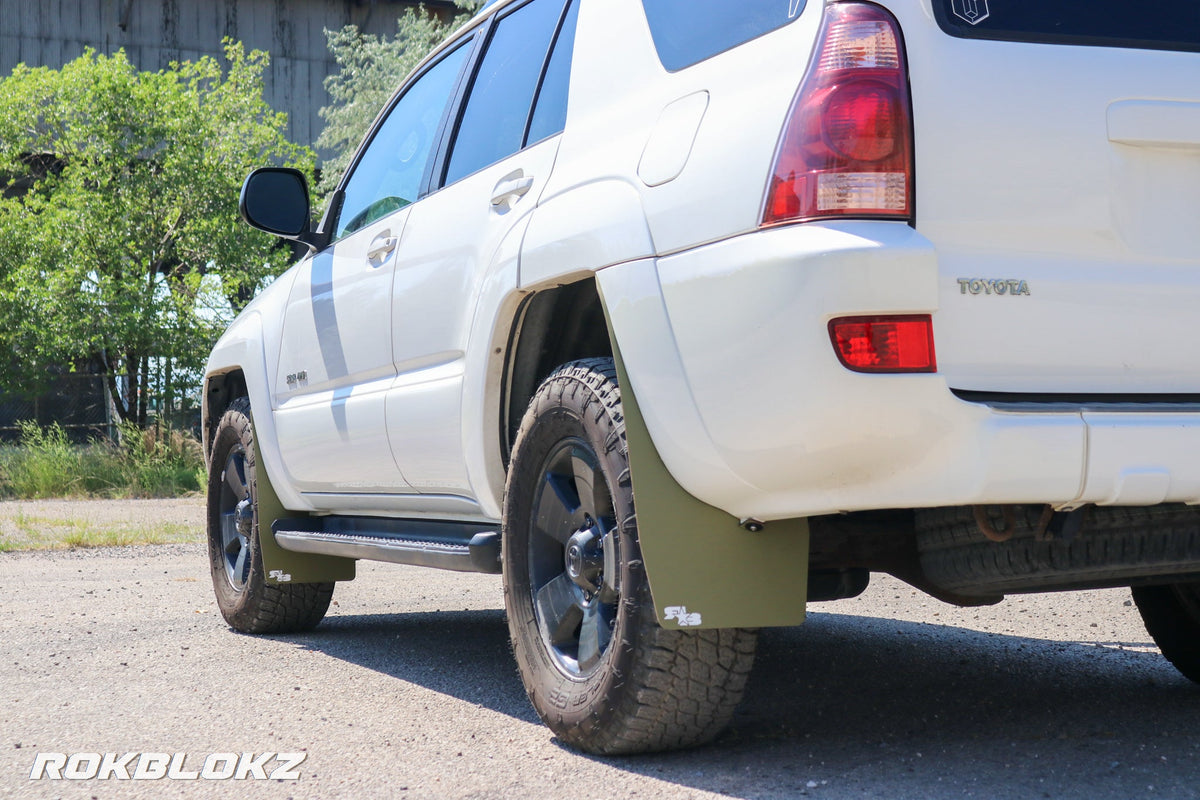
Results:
<point x="248" y="603"/>
<point x="1172" y="617"/>
<point x="598" y="668"/>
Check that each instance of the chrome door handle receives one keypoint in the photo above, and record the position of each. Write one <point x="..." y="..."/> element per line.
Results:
<point x="380" y="249"/>
<point x="509" y="190"/>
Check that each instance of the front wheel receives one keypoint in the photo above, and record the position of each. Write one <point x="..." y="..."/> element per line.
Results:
<point x="599" y="670"/>
<point x="248" y="603"/>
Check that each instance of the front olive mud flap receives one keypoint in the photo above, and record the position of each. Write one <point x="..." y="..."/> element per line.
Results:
<point x="284" y="566"/>
<point x="705" y="570"/>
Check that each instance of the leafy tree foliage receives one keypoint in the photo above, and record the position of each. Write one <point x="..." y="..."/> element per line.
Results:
<point x="370" y="68"/>
<point x="120" y="240"/>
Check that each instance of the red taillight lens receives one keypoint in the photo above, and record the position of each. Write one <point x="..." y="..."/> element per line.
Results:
<point x="847" y="148"/>
<point x="861" y="121"/>
<point x="884" y="344"/>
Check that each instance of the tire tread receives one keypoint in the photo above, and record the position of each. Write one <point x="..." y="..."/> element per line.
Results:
<point x="1117" y="543"/>
<point x="1171" y="614"/>
<point x="262" y="607"/>
<point x="683" y="685"/>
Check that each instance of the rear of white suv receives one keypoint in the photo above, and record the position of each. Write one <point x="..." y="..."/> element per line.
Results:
<point x="1042" y="265"/>
<point x="827" y="288"/>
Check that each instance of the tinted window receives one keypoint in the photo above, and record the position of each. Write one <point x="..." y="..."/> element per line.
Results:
<point x="388" y="175"/>
<point x="688" y="31"/>
<point x="550" y="110"/>
<point x="1161" y="25"/>
<point x="493" y="123"/>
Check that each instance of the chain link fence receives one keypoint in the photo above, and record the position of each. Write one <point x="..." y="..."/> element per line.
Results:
<point x="77" y="402"/>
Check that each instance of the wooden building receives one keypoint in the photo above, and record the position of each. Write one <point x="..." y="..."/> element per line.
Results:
<point x="154" y="33"/>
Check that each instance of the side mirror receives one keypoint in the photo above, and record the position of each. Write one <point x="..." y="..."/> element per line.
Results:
<point x="275" y="200"/>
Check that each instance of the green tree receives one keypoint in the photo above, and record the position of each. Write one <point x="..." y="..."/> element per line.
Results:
<point x="370" y="69"/>
<point x="120" y="239"/>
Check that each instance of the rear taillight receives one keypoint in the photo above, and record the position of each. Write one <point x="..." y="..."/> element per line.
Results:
<point x="884" y="344"/>
<point x="846" y="150"/>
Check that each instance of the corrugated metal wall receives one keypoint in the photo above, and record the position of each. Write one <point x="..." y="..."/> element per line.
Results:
<point x="156" y="32"/>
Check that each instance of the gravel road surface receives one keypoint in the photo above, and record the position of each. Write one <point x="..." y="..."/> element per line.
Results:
<point x="181" y="510"/>
<point x="408" y="690"/>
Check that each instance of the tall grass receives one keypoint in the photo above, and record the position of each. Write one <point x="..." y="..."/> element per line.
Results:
<point x="156" y="462"/>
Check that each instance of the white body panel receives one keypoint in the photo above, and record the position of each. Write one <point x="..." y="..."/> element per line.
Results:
<point x="798" y="431"/>
<point x="252" y="348"/>
<point x="1073" y="169"/>
<point x="452" y="244"/>
<point x="335" y="366"/>
<point x="1077" y="170"/>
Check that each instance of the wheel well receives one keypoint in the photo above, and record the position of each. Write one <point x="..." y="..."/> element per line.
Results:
<point x="556" y="325"/>
<point x="219" y="392"/>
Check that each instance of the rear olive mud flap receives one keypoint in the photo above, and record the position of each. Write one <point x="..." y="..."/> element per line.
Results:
<point x="705" y="570"/>
<point x="285" y="566"/>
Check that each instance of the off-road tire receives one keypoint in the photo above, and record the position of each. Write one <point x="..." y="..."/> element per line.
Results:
<point x="651" y="688"/>
<point x="1172" y="617"/>
<point x="1118" y="545"/>
<point x="251" y="605"/>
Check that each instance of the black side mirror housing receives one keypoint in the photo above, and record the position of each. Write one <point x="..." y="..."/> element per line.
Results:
<point x="275" y="200"/>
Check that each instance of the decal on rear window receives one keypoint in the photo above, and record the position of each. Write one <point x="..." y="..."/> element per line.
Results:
<point x="1162" y="25"/>
<point x="973" y="11"/>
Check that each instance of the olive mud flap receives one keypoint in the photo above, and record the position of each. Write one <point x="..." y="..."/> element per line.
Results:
<point x="284" y="566"/>
<point x="705" y="570"/>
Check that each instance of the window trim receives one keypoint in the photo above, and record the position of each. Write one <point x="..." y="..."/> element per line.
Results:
<point x="441" y="164"/>
<point x="537" y="93"/>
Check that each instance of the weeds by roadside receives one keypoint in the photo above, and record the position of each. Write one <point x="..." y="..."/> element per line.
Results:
<point x="146" y="463"/>
<point x="37" y="532"/>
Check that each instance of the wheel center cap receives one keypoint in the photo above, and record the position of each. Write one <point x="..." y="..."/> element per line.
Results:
<point x="574" y="561"/>
<point x="244" y="516"/>
<point x="584" y="559"/>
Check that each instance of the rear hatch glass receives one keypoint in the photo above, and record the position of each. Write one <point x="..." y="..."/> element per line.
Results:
<point x="1159" y="25"/>
<point x="687" y="32"/>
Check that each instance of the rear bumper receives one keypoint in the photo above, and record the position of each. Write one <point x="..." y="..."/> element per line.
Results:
<point x="749" y="408"/>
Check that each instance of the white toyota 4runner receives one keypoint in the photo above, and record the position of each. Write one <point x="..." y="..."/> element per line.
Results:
<point x="821" y="288"/>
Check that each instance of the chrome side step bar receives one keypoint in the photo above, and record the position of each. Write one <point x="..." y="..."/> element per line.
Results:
<point x="457" y="546"/>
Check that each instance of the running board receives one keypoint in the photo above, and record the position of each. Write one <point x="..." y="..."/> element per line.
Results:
<point x="458" y="546"/>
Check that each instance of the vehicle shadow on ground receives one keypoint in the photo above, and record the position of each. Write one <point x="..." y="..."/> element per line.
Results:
<point x="865" y="706"/>
<point x="873" y="707"/>
<point x="463" y="654"/>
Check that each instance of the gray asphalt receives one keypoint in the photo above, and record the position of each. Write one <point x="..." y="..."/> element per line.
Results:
<point x="408" y="690"/>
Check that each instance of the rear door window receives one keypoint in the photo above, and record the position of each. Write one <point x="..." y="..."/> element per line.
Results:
<point x="550" y="108"/>
<point x="1160" y="25"/>
<point x="501" y="96"/>
<point x="687" y="32"/>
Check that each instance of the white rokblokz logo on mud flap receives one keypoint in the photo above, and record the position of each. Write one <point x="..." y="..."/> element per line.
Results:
<point x="682" y="616"/>
<point x="279" y="576"/>
<point x="972" y="11"/>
